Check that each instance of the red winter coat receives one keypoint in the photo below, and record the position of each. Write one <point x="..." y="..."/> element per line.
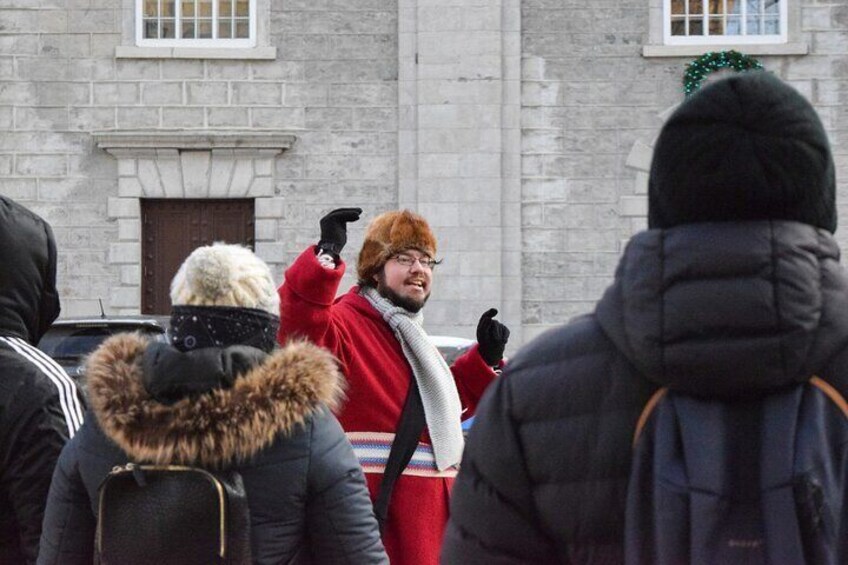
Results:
<point x="378" y="377"/>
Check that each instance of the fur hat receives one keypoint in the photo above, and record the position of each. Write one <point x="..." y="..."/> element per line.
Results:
<point x="748" y="147"/>
<point x="225" y="275"/>
<point x="390" y="233"/>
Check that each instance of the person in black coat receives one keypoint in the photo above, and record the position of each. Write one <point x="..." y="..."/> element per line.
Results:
<point x="40" y="407"/>
<point x="734" y="290"/>
<point x="222" y="396"/>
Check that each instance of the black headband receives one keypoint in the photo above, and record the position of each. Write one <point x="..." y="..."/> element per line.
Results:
<point x="194" y="327"/>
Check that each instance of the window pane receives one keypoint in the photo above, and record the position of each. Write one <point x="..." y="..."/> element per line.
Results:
<point x="151" y="29"/>
<point x="195" y="21"/>
<point x="151" y="8"/>
<point x="225" y="27"/>
<point x="696" y="27"/>
<point x="716" y="26"/>
<point x="772" y="26"/>
<point x="734" y="25"/>
<point x="168" y="29"/>
<point x="722" y="18"/>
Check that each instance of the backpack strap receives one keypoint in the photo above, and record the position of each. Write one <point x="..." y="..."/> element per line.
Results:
<point x="409" y="429"/>
<point x="647" y="411"/>
<point x="814" y="381"/>
<point x="831" y="393"/>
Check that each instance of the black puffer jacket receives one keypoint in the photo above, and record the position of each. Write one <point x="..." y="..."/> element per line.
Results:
<point x="39" y="405"/>
<point x="717" y="310"/>
<point x="306" y="491"/>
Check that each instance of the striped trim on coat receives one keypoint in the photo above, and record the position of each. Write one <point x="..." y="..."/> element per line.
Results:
<point x="69" y="398"/>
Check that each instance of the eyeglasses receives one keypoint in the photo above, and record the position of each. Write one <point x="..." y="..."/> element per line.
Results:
<point x="408" y="260"/>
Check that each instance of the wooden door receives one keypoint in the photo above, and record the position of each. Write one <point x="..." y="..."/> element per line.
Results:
<point x="171" y="229"/>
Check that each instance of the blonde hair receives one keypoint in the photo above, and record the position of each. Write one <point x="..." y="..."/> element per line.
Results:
<point x="225" y="275"/>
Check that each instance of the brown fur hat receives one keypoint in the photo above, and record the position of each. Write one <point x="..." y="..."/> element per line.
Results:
<point x="390" y="233"/>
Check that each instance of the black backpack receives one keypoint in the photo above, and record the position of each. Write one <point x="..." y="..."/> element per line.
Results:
<point x="748" y="481"/>
<point x="172" y="514"/>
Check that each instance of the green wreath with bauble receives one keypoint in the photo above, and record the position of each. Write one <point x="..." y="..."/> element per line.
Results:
<point x="712" y="61"/>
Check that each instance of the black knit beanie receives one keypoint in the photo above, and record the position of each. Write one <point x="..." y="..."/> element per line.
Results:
<point x="748" y="147"/>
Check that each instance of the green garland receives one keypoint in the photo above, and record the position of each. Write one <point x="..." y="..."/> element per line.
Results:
<point x="697" y="70"/>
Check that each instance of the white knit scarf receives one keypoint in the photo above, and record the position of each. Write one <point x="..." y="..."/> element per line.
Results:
<point x="442" y="407"/>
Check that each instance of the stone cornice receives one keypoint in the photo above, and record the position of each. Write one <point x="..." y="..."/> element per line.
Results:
<point x="123" y="141"/>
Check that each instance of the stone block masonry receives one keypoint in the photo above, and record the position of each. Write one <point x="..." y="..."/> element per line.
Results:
<point x="591" y="107"/>
<point x="335" y="73"/>
<point x="523" y="130"/>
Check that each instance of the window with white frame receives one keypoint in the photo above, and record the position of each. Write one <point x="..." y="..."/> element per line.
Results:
<point x="717" y="22"/>
<point x="196" y="23"/>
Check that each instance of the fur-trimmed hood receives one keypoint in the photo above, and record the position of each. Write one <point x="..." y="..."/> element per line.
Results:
<point x="217" y="427"/>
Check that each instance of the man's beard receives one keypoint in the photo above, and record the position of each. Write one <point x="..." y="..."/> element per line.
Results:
<point x="406" y="303"/>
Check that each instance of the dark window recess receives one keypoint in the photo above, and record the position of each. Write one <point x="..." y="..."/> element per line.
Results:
<point x="171" y="229"/>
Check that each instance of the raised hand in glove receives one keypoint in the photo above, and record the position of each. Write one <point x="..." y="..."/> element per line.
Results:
<point x="334" y="228"/>
<point x="491" y="338"/>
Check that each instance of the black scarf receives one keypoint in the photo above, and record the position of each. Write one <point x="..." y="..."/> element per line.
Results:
<point x="194" y="327"/>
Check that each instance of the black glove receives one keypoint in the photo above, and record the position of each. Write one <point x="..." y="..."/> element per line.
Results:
<point x="334" y="228"/>
<point x="491" y="337"/>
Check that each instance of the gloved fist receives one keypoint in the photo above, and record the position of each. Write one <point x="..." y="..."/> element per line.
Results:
<point x="491" y="338"/>
<point x="334" y="228"/>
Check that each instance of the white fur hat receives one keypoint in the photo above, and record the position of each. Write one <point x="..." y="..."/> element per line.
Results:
<point x="225" y="275"/>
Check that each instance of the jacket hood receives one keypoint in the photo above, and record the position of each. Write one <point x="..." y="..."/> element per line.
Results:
<point x="274" y="395"/>
<point x="728" y="309"/>
<point x="29" y="301"/>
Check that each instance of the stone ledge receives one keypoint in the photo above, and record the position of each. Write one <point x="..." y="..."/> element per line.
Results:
<point x="246" y="53"/>
<point x="124" y="141"/>
<point x="749" y="49"/>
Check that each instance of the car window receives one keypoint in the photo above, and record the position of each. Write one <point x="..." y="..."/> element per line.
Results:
<point x="64" y="343"/>
<point x="451" y="353"/>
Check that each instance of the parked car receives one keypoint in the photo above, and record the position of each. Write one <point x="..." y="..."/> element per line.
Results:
<point x="451" y="347"/>
<point x="68" y="341"/>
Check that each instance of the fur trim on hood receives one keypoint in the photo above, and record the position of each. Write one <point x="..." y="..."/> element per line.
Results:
<point x="216" y="428"/>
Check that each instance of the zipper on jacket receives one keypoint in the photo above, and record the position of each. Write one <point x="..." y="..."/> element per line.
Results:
<point x="136" y="469"/>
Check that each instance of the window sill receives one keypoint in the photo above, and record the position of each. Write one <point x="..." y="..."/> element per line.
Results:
<point x="697" y="50"/>
<point x="255" y="53"/>
<point x="189" y="139"/>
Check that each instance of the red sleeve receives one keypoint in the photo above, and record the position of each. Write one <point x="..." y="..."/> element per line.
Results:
<point x="306" y="299"/>
<point x="472" y="377"/>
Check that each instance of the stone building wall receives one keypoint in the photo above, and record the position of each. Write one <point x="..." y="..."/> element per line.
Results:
<point x="521" y="128"/>
<point x="333" y="84"/>
<point x="592" y="106"/>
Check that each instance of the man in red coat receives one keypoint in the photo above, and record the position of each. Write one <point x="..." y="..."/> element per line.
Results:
<point x="375" y="332"/>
